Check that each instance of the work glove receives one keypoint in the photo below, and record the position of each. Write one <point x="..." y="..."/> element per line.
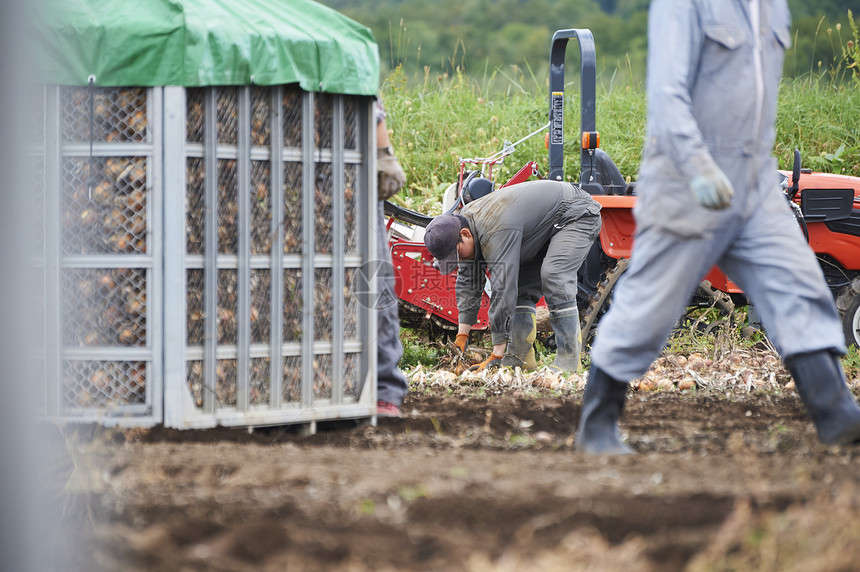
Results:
<point x="391" y="175"/>
<point x="491" y="362"/>
<point x="461" y="341"/>
<point x="712" y="188"/>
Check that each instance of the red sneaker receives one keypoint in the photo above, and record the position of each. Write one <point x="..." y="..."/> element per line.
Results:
<point x="386" y="409"/>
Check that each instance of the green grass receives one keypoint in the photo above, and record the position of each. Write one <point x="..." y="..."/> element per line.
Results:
<point x="823" y="122"/>
<point x="851" y="362"/>
<point x="417" y="351"/>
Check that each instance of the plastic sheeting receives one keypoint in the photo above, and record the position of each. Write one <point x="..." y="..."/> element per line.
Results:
<point x="196" y="43"/>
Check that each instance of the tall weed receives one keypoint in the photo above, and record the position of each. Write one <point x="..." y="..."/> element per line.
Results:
<point x="851" y="50"/>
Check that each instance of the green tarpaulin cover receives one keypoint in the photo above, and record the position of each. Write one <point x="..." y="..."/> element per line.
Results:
<point x="204" y="42"/>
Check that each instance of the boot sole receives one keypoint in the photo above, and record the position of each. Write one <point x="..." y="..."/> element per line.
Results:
<point x="614" y="451"/>
<point x="850" y="437"/>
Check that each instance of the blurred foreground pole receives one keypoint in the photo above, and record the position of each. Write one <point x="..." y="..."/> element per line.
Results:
<point x="18" y="513"/>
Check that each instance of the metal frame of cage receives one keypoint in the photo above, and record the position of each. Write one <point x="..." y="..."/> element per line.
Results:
<point x="320" y="344"/>
<point x="227" y="271"/>
<point x="97" y="252"/>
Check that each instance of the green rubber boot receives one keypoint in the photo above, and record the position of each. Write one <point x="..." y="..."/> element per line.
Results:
<point x="568" y="338"/>
<point x="521" y="349"/>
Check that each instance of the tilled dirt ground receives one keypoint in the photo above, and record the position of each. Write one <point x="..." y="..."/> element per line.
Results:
<point x="472" y="478"/>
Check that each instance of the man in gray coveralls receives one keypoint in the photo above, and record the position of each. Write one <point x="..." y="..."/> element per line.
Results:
<point x="708" y="194"/>
<point x="532" y="237"/>
<point x="391" y="384"/>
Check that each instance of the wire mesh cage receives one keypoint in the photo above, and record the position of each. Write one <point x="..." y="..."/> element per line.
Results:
<point x="276" y="226"/>
<point x="96" y="249"/>
<point x="200" y="254"/>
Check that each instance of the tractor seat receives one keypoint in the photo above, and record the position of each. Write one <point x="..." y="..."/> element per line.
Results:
<point x="603" y="177"/>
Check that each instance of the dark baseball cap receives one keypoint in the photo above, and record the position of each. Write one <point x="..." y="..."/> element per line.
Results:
<point x="441" y="237"/>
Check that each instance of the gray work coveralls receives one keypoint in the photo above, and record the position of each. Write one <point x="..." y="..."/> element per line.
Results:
<point x="391" y="383"/>
<point x="712" y="87"/>
<point x="533" y="238"/>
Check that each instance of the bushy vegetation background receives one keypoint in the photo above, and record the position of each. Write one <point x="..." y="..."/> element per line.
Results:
<point x="476" y="35"/>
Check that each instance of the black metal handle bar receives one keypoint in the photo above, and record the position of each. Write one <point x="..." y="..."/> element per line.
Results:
<point x="587" y="91"/>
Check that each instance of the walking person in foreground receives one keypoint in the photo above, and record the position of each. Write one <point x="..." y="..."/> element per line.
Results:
<point x="709" y="195"/>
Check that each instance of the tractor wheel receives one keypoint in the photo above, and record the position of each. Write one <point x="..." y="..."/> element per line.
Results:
<point x="848" y="303"/>
<point x="600" y="302"/>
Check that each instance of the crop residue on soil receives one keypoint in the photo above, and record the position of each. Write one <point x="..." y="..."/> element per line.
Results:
<point x="479" y="475"/>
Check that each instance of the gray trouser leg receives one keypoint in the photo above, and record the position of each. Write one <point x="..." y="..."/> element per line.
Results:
<point x="647" y="302"/>
<point x="763" y="251"/>
<point x="773" y="264"/>
<point x="391" y="384"/>
<point x="565" y="254"/>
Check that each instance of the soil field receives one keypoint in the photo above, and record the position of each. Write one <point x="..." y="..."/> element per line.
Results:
<point x="479" y="475"/>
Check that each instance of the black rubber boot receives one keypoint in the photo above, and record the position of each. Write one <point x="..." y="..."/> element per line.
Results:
<point x="602" y="406"/>
<point x="824" y="392"/>
<point x="568" y="338"/>
<point x="521" y="349"/>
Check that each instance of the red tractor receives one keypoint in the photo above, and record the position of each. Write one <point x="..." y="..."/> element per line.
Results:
<point x="823" y="205"/>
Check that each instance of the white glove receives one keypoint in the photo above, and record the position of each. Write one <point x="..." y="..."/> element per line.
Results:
<point x="391" y="175"/>
<point x="712" y="188"/>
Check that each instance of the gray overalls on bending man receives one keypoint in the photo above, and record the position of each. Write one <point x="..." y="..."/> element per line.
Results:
<point x="532" y="237"/>
<point x="709" y="195"/>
